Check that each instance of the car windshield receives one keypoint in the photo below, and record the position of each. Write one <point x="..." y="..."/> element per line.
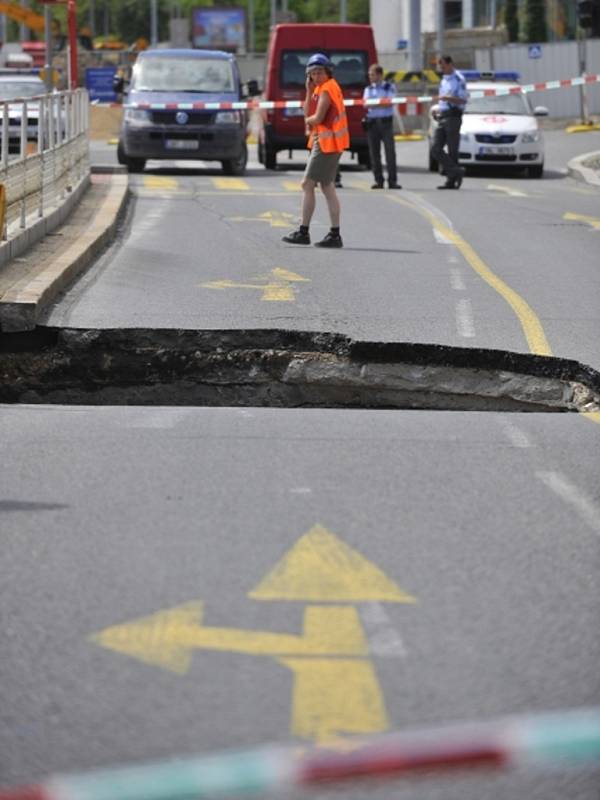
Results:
<point x="498" y="104"/>
<point x="180" y="74"/>
<point x="11" y="91"/>
<point x="349" y="67"/>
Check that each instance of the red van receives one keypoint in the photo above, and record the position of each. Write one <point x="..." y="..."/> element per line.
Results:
<point x="351" y="49"/>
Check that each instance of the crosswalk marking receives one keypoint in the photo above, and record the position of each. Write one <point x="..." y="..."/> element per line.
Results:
<point x="160" y="182"/>
<point x="239" y="184"/>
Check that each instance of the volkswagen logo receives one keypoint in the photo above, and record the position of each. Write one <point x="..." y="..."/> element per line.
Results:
<point x="181" y="117"/>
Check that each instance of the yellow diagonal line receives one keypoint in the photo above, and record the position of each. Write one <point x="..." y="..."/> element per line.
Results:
<point x="238" y="184"/>
<point x="160" y="182"/>
<point x="593" y="221"/>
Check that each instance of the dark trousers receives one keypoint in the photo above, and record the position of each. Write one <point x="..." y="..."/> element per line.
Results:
<point x="447" y="134"/>
<point x="382" y="130"/>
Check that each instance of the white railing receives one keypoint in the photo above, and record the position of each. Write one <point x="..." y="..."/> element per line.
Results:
<point x="50" y="155"/>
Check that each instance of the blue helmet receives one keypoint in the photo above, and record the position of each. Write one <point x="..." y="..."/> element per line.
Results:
<point x="318" y="60"/>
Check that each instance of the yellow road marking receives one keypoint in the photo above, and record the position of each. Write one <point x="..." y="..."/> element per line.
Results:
<point x="277" y="289"/>
<point x="593" y="416"/>
<point x="593" y="221"/>
<point x="238" y="184"/>
<point x="335" y="696"/>
<point x="496" y="187"/>
<point x="320" y="567"/>
<point x="276" y="219"/>
<point x="159" y="182"/>
<point x="531" y="325"/>
<point x="292" y="186"/>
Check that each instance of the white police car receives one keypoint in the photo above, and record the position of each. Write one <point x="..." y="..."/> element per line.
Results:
<point x="499" y="127"/>
<point x="19" y="85"/>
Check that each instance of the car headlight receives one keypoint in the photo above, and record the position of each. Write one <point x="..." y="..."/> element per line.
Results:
<point x="532" y="136"/>
<point x="228" y="116"/>
<point x="138" y="116"/>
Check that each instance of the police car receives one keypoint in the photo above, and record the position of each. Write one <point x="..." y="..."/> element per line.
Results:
<point x="499" y="130"/>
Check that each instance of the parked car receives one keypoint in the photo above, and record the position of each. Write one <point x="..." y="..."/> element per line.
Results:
<point x="498" y="130"/>
<point x="169" y="82"/>
<point x="351" y="50"/>
<point x="19" y="85"/>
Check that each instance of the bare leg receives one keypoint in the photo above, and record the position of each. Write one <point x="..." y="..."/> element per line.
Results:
<point x="309" y="200"/>
<point x="333" y="204"/>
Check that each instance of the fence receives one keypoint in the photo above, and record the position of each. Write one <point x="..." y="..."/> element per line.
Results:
<point x="44" y="163"/>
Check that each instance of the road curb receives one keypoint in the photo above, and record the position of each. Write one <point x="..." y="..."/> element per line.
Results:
<point x="23" y="303"/>
<point x="577" y="169"/>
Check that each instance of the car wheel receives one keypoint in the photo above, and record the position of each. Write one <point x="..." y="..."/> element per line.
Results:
<point x="433" y="164"/>
<point x="536" y="171"/>
<point x="270" y="156"/>
<point x="121" y="157"/>
<point x="236" y="166"/>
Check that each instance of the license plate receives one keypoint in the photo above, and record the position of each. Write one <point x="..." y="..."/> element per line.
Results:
<point x="496" y="151"/>
<point x="293" y="112"/>
<point x="181" y="144"/>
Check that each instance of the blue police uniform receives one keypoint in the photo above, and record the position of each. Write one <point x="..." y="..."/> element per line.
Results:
<point x="446" y="140"/>
<point x="380" y="130"/>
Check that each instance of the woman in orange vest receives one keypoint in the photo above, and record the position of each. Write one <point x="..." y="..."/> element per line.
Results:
<point x="327" y="127"/>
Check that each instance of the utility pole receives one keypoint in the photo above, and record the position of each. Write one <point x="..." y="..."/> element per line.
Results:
<point x="251" y="31"/>
<point x="93" y="17"/>
<point x="23" y="29"/>
<point x="440" y="26"/>
<point x="48" y="42"/>
<point x="273" y="12"/>
<point x="153" y="23"/>
<point x="343" y="11"/>
<point x="416" y="58"/>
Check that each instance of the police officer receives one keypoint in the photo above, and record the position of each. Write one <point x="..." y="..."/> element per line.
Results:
<point x="451" y="103"/>
<point x="379" y="121"/>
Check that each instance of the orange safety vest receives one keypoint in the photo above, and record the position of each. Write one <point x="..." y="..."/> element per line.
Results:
<point x="333" y="131"/>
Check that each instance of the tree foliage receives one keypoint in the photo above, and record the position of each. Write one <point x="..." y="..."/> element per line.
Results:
<point x="535" y="27"/>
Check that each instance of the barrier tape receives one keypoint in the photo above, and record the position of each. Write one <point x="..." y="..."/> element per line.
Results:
<point x="276" y="104"/>
<point x="553" y="740"/>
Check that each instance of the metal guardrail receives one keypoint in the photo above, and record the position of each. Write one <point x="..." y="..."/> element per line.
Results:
<point x="52" y="157"/>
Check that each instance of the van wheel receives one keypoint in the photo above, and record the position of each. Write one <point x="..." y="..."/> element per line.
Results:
<point x="236" y="166"/>
<point x="261" y="153"/>
<point x="433" y="164"/>
<point x="270" y="155"/>
<point x="121" y="157"/>
<point x="135" y="164"/>
<point x="364" y="158"/>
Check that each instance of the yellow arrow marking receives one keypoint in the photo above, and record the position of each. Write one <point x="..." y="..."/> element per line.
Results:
<point x="231" y="183"/>
<point x="496" y="187"/>
<point x="276" y="219"/>
<point x="168" y="638"/>
<point x="279" y="289"/>
<point x="322" y="568"/>
<point x="593" y="221"/>
<point x="334" y="696"/>
<point x="159" y="182"/>
<point x="292" y="186"/>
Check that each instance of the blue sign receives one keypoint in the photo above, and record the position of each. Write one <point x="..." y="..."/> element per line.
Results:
<point x="402" y="44"/>
<point x="99" y="83"/>
<point x="534" y="51"/>
<point x="219" y="28"/>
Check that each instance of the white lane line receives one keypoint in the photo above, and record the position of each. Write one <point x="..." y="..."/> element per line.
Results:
<point x="515" y="435"/>
<point x="464" y="318"/>
<point x="457" y="281"/>
<point x="384" y="639"/>
<point x="571" y="494"/>
<point x="440" y="238"/>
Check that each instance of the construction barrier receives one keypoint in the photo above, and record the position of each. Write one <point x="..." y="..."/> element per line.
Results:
<point x="557" y="740"/>
<point x="410" y="102"/>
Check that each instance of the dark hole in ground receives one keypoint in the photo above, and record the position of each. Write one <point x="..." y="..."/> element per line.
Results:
<point x="282" y="369"/>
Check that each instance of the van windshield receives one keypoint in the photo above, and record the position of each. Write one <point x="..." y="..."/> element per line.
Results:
<point x="180" y="74"/>
<point x="350" y="67"/>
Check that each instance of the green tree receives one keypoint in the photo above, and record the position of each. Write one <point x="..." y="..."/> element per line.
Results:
<point x="511" y="20"/>
<point x="535" y="28"/>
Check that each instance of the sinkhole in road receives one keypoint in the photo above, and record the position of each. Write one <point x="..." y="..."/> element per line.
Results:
<point x="281" y="369"/>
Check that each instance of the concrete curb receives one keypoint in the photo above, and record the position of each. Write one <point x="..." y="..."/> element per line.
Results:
<point x="580" y="172"/>
<point x="22" y="305"/>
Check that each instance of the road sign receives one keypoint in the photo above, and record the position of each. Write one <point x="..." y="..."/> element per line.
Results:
<point x="99" y="83"/>
<point x="336" y="690"/>
<point x="534" y="51"/>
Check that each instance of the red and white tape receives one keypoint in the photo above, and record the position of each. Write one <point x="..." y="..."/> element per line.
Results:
<point x="412" y="102"/>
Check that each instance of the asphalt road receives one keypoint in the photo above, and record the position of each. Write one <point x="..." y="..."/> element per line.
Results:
<point x="418" y="265"/>
<point x="180" y="580"/>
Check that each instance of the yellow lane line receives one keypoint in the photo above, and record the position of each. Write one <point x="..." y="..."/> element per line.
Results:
<point x="160" y="182"/>
<point x="238" y="184"/>
<point x="593" y="221"/>
<point x="531" y="325"/>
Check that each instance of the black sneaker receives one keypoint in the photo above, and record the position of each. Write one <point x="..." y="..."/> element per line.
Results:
<point x="331" y="240"/>
<point x="395" y="186"/>
<point x="377" y="186"/>
<point x="297" y="237"/>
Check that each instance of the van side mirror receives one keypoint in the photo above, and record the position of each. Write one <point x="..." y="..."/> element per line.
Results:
<point x="253" y="88"/>
<point x="540" y="111"/>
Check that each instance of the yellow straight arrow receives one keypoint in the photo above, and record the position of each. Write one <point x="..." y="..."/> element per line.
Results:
<point x="593" y="221"/>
